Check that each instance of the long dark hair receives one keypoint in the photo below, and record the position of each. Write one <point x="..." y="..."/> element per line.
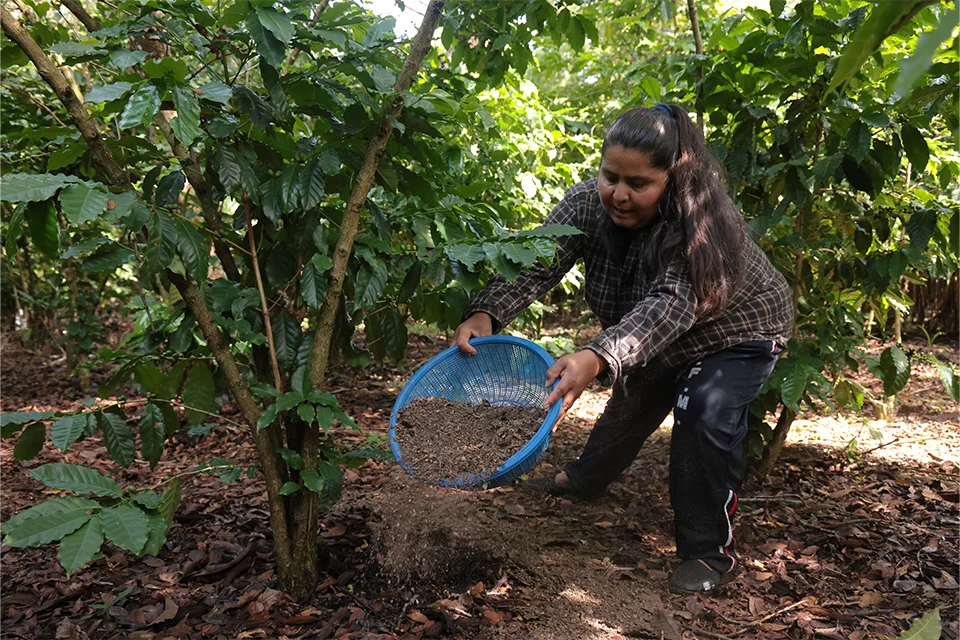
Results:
<point x="697" y="214"/>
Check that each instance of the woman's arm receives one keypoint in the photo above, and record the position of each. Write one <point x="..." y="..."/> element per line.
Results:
<point x="503" y="300"/>
<point x="665" y="313"/>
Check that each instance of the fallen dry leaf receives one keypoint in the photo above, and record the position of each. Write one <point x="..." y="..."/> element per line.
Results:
<point x="335" y="531"/>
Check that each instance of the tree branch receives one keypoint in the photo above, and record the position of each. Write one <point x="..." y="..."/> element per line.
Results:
<point x="270" y="460"/>
<point x="188" y="160"/>
<point x="320" y="8"/>
<point x="88" y="21"/>
<point x="99" y="152"/>
<point x="277" y="378"/>
<point x="695" y="25"/>
<point x="320" y="354"/>
<point x="208" y="208"/>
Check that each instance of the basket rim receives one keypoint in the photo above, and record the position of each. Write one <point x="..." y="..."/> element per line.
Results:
<point x="538" y="439"/>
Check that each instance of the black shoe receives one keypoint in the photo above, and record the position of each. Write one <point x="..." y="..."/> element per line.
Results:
<point x="548" y="486"/>
<point x="693" y="576"/>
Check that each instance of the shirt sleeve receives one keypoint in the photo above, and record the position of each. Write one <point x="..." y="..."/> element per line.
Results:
<point x="663" y="315"/>
<point x="503" y="300"/>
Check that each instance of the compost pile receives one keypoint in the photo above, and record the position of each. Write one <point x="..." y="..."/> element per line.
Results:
<point x="443" y="439"/>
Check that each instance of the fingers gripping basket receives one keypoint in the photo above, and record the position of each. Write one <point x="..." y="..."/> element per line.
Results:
<point x="504" y="371"/>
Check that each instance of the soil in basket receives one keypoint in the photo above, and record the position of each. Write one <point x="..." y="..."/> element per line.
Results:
<point x="445" y="439"/>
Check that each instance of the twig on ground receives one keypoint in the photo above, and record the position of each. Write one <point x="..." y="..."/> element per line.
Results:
<point x="779" y="612"/>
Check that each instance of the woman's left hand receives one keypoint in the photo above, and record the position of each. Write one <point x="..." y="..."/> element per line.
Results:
<point x="575" y="371"/>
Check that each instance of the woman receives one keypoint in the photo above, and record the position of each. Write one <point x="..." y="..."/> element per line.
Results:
<point x="694" y="317"/>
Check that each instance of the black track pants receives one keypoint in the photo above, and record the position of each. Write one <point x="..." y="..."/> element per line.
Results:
<point x="709" y="402"/>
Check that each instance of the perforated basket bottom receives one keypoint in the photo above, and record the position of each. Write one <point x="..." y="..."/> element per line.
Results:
<point x="506" y="371"/>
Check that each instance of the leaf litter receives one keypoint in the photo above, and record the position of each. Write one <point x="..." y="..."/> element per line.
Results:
<point x="839" y="542"/>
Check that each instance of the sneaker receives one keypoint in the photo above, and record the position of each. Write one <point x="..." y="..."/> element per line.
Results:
<point x="694" y="576"/>
<point x="548" y="486"/>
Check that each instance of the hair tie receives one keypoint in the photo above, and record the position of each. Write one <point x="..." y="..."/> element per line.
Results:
<point x="667" y="109"/>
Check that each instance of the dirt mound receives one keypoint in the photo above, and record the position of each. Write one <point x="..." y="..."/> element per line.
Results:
<point x="434" y="539"/>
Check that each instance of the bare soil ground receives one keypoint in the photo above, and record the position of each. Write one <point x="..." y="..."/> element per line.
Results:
<point x="844" y="540"/>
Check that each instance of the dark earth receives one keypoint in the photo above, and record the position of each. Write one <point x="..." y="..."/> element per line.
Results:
<point x="441" y="439"/>
<point x="849" y="538"/>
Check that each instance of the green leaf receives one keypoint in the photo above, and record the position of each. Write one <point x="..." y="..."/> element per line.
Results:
<point x="142" y="106"/>
<point x="108" y="92"/>
<point x="249" y="103"/>
<point x="118" y="438"/>
<point x="288" y="488"/>
<point x="171" y="498"/>
<point x="289" y="183"/>
<point x="921" y="226"/>
<point x="30" y="442"/>
<point x="235" y="13"/>
<point x="78" y="548"/>
<point x="387" y="335"/>
<point x="107" y="259"/>
<point x="186" y="125"/>
<point x="307" y="413"/>
<point x="169" y="188"/>
<point x="858" y="140"/>
<point x="327" y="481"/>
<point x="378" y="29"/>
<point x="330" y="162"/>
<point x="777" y="7"/>
<point x="324" y="417"/>
<point x="276" y="23"/>
<point x="198" y="393"/>
<point x="66" y="503"/>
<point x="8" y="418"/>
<point x="950" y="380"/>
<point x="42" y="527"/>
<point x="149" y="377"/>
<point x="286" y="337"/>
<point x="267" y="417"/>
<point x="66" y="155"/>
<point x="161" y="243"/>
<point x="156" y="533"/>
<point x="312" y="184"/>
<point x="75" y="478"/>
<point x="383" y="79"/>
<point x="148" y="499"/>
<point x="65" y="431"/>
<point x="300" y="381"/>
<point x="927" y="627"/>
<point x="794" y="385"/>
<point x="915" y="146"/>
<point x="293" y="459"/>
<point x="228" y="168"/>
<point x="575" y="33"/>
<point x="125" y="58"/>
<point x="125" y="526"/>
<point x="216" y="91"/>
<point x="30" y="187"/>
<point x="80" y="203"/>
<point x="270" y="48"/>
<point x="192" y="248"/>
<point x="151" y="434"/>
<point x="913" y="68"/>
<point x="410" y="282"/>
<point x="884" y="19"/>
<point x="896" y="370"/>
<point x="313" y="286"/>
<point x="370" y="282"/>
<point x="651" y="87"/>
<point x="288" y="401"/>
<point x="42" y="224"/>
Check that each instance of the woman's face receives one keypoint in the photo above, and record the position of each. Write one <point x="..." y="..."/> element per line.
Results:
<point x="630" y="188"/>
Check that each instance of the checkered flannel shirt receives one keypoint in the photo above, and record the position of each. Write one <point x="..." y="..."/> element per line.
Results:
<point x="643" y="316"/>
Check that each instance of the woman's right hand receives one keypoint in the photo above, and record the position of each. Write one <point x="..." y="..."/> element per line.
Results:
<point x="479" y="324"/>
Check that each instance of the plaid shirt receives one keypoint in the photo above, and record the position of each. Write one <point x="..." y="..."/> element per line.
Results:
<point x="643" y="315"/>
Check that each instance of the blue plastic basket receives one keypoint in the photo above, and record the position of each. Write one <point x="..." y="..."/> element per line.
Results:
<point x="504" y="371"/>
